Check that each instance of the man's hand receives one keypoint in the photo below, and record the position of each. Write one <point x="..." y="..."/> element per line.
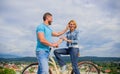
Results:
<point x="60" y="33"/>
<point x="67" y="27"/>
<point x="55" y="45"/>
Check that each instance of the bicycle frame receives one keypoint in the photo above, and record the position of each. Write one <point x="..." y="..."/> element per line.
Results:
<point x="52" y="62"/>
<point x="69" y="70"/>
<point x="57" y="69"/>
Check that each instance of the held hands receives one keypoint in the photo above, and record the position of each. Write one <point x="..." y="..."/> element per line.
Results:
<point x="55" y="45"/>
<point x="65" y="39"/>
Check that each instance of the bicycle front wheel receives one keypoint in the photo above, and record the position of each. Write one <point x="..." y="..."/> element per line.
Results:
<point x="86" y="67"/>
<point x="32" y="69"/>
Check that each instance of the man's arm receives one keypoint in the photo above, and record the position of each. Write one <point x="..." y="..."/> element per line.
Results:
<point x="44" y="41"/>
<point x="59" y="33"/>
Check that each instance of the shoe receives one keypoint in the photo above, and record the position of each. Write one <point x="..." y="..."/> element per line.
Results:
<point x="63" y="68"/>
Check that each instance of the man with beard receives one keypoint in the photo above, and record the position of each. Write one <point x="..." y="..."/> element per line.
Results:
<point x="44" y="35"/>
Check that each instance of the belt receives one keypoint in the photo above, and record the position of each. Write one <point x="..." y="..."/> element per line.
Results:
<point x="76" y="46"/>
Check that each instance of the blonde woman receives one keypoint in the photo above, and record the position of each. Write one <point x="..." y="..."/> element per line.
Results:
<point x="72" y="39"/>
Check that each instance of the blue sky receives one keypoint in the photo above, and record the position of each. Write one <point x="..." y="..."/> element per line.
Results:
<point x="98" y="21"/>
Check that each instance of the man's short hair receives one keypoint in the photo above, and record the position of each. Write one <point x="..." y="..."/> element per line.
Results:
<point x="45" y="15"/>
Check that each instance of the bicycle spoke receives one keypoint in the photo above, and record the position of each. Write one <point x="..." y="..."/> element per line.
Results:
<point x="32" y="69"/>
<point x="87" y="69"/>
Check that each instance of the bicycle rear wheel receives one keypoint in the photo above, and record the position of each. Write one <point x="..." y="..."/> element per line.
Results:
<point x="32" y="69"/>
<point x="87" y="67"/>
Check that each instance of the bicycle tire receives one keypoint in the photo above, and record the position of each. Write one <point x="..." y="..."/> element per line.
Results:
<point x="89" y="63"/>
<point x="33" y="64"/>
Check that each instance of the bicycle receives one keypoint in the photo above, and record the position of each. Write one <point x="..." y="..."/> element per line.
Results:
<point x="85" y="67"/>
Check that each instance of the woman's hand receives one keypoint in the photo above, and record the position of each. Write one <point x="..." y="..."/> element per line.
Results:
<point x="65" y="39"/>
<point x="70" y="41"/>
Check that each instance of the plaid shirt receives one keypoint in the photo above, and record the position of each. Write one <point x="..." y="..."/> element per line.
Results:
<point x="74" y="36"/>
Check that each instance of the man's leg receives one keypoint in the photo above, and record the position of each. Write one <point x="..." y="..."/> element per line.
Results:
<point x="74" y="59"/>
<point x="42" y="57"/>
<point x="58" y="53"/>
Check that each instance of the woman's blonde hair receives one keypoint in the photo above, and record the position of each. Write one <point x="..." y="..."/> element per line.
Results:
<point x="73" y="21"/>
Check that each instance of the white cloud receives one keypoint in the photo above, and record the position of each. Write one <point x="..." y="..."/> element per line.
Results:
<point x="107" y="50"/>
<point x="98" y="21"/>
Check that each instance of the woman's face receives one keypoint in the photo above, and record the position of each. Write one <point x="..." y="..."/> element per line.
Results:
<point x="72" y="26"/>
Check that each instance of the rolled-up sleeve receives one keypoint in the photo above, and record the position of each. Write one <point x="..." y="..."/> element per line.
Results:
<point x="40" y="29"/>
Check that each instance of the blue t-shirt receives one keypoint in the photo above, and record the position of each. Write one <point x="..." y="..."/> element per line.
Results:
<point x="47" y="34"/>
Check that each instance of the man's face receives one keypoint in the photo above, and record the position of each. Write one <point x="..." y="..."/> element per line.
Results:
<point x="50" y="19"/>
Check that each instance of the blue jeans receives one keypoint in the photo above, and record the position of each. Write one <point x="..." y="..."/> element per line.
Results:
<point x="73" y="55"/>
<point x="42" y="57"/>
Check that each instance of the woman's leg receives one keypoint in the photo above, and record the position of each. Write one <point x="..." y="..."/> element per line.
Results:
<point x="74" y="59"/>
<point x="58" y="53"/>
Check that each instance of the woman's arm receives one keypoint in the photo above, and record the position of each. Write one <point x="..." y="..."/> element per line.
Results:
<point x="59" y="41"/>
<point x="72" y="41"/>
<point x="65" y="39"/>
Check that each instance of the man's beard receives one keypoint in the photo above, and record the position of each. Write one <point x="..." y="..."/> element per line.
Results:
<point x="49" y="22"/>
